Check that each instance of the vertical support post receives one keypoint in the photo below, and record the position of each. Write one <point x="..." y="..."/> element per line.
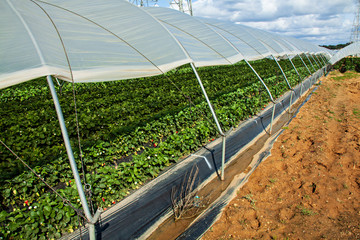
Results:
<point x="322" y="59"/>
<point x="310" y="62"/>
<point x="315" y="61"/>
<point x="301" y="84"/>
<point x="316" y="64"/>
<point x="91" y="220"/>
<point x="305" y="64"/>
<point x="291" y="89"/>
<point x="268" y="91"/>
<point x="282" y="72"/>
<point x="215" y="119"/>
<point x="320" y="62"/>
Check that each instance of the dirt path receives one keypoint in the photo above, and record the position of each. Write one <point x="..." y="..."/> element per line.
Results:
<point x="309" y="188"/>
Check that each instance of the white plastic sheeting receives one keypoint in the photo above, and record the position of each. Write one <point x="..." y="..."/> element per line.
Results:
<point x="93" y="40"/>
<point x="352" y="49"/>
<point x="103" y="41"/>
<point x="250" y="47"/>
<point x="205" y="46"/>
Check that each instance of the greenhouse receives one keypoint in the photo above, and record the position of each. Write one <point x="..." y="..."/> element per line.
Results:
<point x="140" y="94"/>
<point x="352" y="50"/>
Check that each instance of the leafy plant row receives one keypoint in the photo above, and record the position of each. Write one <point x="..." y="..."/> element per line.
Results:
<point x="124" y="142"/>
<point x="350" y="63"/>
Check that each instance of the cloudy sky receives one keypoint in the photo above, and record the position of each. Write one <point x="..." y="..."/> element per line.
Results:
<point x="319" y="21"/>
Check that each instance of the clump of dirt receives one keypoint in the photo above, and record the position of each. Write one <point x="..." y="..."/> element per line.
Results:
<point x="309" y="188"/>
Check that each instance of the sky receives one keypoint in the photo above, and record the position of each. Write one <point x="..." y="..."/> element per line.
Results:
<point x="323" y="22"/>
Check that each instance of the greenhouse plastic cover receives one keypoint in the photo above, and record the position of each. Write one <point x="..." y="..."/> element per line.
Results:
<point x="205" y="46"/>
<point x="103" y="41"/>
<point x="93" y="40"/>
<point x="352" y="49"/>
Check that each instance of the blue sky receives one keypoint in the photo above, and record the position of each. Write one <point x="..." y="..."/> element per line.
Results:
<point x="319" y="21"/>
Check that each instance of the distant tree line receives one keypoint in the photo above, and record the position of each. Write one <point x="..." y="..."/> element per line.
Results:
<point x="334" y="47"/>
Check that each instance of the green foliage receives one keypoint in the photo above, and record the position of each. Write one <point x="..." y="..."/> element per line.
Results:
<point x="130" y="131"/>
<point x="350" y="63"/>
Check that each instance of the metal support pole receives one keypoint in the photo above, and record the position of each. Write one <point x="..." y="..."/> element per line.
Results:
<point x="320" y="62"/>
<point x="91" y="220"/>
<point x="268" y="91"/>
<point x="294" y="68"/>
<point x="317" y="65"/>
<point x="305" y="64"/>
<point x="215" y="118"/>
<point x="291" y="89"/>
<point x="282" y="72"/>
<point x="315" y="61"/>
<point x="301" y="83"/>
<point x="322" y="59"/>
<point x="310" y="62"/>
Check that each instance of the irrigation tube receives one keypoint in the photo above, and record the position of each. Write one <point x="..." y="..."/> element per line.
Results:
<point x="91" y="220"/>
<point x="215" y="118"/>
<point x="291" y="89"/>
<point x="268" y="91"/>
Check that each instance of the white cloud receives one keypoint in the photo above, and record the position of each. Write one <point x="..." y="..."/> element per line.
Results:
<point x="321" y="21"/>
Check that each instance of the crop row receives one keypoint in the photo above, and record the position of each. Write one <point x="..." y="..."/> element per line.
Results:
<point x="129" y="131"/>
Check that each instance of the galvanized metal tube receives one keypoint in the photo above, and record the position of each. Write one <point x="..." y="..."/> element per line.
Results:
<point x="285" y="80"/>
<point x="71" y="158"/>
<point x="305" y="64"/>
<point x="272" y="118"/>
<point x="301" y="83"/>
<point x="215" y="119"/>
<point x="310" y="62"/>
<point x="319" y="66"/>
<point x="207" y="99"/>
<point x="294" y="68"/>
<point x="282" y="72"/>
<point x="320" y="62"/>
<point x="268" y="91"/>
<point x="263" y="83"/>
<point x="291" y="97"/>
<point x="322" y="59"/>
<point x="222" y="177"/>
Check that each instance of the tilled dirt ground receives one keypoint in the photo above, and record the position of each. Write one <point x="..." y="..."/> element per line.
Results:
<point x="309" y="188"/>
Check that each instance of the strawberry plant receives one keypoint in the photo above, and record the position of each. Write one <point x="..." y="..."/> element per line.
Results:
<point x="130" y="131"/>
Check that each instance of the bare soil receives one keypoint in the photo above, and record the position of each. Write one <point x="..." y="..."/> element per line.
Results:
<point x="309" y="188"/>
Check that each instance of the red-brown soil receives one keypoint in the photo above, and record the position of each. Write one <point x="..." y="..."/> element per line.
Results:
<point x="309" y="188"/>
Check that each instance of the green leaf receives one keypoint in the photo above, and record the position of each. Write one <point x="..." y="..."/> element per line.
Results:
<point x="47" y="210"/>
<point x="59" y="216"/>
<point x="13" y="226"/>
